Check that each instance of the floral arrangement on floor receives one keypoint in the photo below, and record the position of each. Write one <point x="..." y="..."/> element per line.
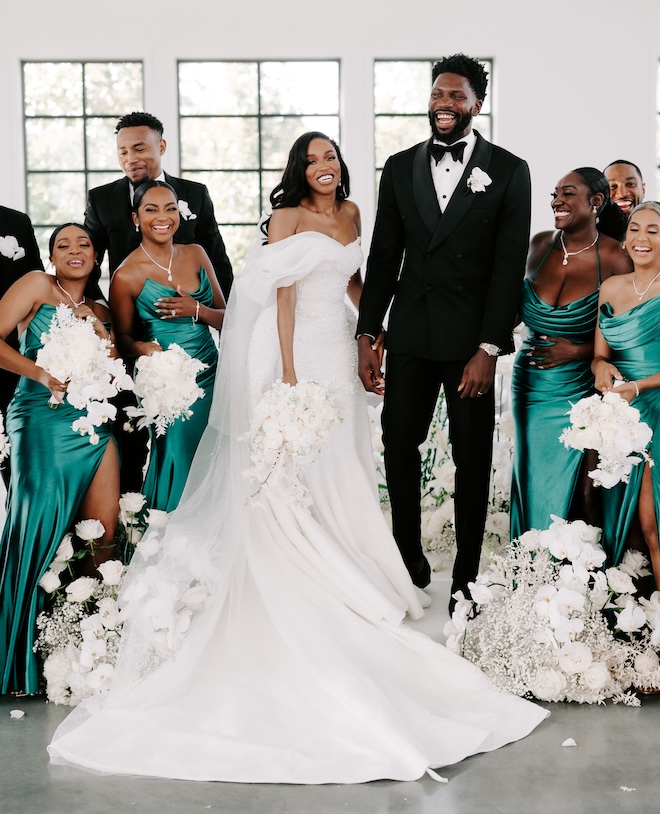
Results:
<point x="73" y="353"/>
<point x="438" y="473"/>
<point x="166" y="384"/>
<point x="538" y="626"/>
<point x="289" y="428"/>
<point x="4" y="441"/>
<point x="611" y="426"/>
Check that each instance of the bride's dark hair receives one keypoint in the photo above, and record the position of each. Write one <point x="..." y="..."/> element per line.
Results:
<point x="293" y="187"/>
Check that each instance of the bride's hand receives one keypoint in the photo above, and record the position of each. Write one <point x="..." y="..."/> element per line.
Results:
<point x="290" y="378"/>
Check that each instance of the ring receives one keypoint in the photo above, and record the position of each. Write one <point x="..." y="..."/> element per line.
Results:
<point x="479" y="393"/>
<point x="173" y="312"/>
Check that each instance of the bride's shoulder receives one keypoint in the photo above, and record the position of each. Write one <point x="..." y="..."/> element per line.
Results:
<point x="283" y="223"/>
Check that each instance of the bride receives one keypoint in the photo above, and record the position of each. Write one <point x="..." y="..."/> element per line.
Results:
<point x="264" y="638"/>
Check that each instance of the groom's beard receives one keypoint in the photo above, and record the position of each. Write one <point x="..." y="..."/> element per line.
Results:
<point x="455" y="133"/>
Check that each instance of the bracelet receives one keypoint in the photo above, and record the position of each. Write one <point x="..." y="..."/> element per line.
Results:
<point x="196" y="317"/>
<point x="636" y="389"/>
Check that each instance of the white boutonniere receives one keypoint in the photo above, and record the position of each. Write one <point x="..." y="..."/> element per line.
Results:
<point x="10" y="247"/>
<point x="478" y="180"/>
<point x="184" y="209"/>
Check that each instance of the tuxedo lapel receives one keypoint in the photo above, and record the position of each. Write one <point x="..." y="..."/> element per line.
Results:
<point x="462" y="199"/>
<point x="423" y="189"/>
<point x="121" y="204"/>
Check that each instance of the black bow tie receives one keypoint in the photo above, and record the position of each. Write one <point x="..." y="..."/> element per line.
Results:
<point x="456" y="150"/>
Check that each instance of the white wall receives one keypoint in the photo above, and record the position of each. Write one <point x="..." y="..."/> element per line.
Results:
<point x="576" y="79"/>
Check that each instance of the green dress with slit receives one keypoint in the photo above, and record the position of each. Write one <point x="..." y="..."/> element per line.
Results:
<point x="171" y="454"/>
<point x="52" y="468"/>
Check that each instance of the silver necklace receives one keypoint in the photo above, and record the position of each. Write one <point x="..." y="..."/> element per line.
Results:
<point x="167" y="268"/>
<point x="568" y="254"/>
<point x="640" y="294"/>
<point x="73" y="302"/>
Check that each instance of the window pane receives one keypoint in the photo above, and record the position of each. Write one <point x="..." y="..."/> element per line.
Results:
<point x="235" y="195"/>
<point x="111" y="87"/>
<point x="396" y="133"/>
<point x="269" y="180"/>
<point x="482" y="124"/>
<point x="98" y="179"/>
<point x="53" y="88"/>
<point x="101" y="144"/>
<point x="218" y="88"/>
<point x="42" y="235"/>
<point x="220" y="143"/>
<point x="402" y="87"/>
<point x="279" y="132"/>
<point x="54" y="144"/>
<point x="56" y="197"/>
<point x="300" y="87"/>
<point x="237" y="241"/>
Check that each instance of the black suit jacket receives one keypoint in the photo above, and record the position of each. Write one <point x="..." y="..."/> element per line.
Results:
<point x="16" y="224"/>
<point x="108" y="218"/>
<point x="453" y="279"/>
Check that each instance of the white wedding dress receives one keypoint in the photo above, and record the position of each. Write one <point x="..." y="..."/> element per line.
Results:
<point x="299" y="669"/>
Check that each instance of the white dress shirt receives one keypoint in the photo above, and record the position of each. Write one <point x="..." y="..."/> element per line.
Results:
<point x="447" y="173"/>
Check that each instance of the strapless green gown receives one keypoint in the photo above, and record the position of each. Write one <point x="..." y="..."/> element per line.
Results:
<point x="52" y="469"/>
<point x="634" y="338"/>
<point x="545" y="473"/>
<point x="171" y="455"/>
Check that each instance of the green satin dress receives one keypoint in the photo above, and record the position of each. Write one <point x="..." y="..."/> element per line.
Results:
<point x="634" y="338"/>
<point x="52" y="469"/>
<point x="545" y="473"/>
<point x="171" y="455"/>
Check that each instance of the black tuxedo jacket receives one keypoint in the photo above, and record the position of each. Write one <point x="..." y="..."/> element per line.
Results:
<point x="108" y="218"/>
<point x="453" y="278"/>
<point x="16" y="224"/>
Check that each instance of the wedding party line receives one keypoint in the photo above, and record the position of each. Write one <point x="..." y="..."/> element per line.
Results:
<point x="227" y="493"/>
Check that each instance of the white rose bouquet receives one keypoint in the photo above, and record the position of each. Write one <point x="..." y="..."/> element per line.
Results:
<point x="611" y="426"/>
<point x="73" y="353"/>
<point x="537" y="623"/>
<point x="166" y="383"/>
<point x="288" y="430"/>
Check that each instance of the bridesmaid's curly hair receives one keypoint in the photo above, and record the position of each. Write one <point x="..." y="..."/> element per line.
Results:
<point x="611" y="220"/>
<point x="293" y="187"/>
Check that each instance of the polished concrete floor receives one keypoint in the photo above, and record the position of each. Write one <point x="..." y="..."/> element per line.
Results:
<point x="613" y="768"/>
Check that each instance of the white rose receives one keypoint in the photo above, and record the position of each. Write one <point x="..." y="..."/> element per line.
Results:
<point x="90" y="529"/>
<point x="81" y="589"/>
<point x="596" y="676"/>
<point x="548" y="685"/>
<point x="574" y="657"/>
<point x="65" y="549"/>
<point x="646" y="662"/>
<point x="634" y="564"/>
<point x="620" y="582"/>
<point x="498" y="523"/>
<point x="109" y="612"/>
<point x="157" y="518"/>
<point x="529" y="540"/>
<point x="111" y="571"/>
<point x="131" y="502"/>
<point x="50" y="582"/>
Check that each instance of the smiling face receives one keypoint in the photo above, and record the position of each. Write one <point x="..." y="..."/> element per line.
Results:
<point x="626" y="186"/>
<point x="452" y="106"/>
<point x="73" y="254"/>
<point x="158" y="215"/>
<point x="573" y="203"/>
<point x="643" y="238"/>
<point x="139" y="150"/>
<point x="323" y="172"/>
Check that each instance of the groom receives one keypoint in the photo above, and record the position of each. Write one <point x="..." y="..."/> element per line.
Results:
<point x="448" y="253"/>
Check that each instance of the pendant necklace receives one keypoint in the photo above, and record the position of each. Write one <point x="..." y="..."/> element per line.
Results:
<point x="167" y="268"/>
<point x="73" y="302"/>
<point x="568" y="254"/>
<point x="640" y="294"/>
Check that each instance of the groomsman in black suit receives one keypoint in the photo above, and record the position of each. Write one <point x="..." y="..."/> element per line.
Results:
<point x="448" y="253"/>
<point x="19" y="254"/>
<point x="140" y="147"/>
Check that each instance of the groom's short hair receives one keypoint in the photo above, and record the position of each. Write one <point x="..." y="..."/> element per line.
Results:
<point x="140" y="119"/>
<point x="465" y="66"/>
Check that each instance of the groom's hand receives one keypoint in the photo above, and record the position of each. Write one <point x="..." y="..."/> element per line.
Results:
<point x="369" y="365"/>
<point x="478" y="375"/>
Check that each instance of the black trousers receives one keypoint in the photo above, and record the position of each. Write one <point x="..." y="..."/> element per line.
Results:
<point x="8" y="382"/>
<point x="411" y="392"/>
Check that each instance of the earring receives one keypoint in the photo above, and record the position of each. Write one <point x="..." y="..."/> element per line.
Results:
<point x="137" y="228"/>
<point x="595" y="209"/>
<point x="623" y="245"/>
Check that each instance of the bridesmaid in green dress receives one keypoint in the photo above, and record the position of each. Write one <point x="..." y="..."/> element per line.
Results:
<point x="552" y="370"/>
<point x="627" y="354"/>
<point x="162" y="294"/>
<point x="57" y="476"/>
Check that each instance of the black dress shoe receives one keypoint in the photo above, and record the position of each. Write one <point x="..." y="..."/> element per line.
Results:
<point x="420" y="573"/>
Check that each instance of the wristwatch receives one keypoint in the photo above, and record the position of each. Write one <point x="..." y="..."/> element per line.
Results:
<point x="491" y="350"/>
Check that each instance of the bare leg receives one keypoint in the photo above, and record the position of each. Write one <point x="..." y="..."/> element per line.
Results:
<point x="649" y="523"/>
<point x="102" y="503"/>
<point x="587" y="503"/>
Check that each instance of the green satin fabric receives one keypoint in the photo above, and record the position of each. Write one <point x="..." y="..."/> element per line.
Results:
<point x="545" y="473"/>
<point x="171" y="454"/>
<point x="52" y="469"/>
<point x="634" y="338"/>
